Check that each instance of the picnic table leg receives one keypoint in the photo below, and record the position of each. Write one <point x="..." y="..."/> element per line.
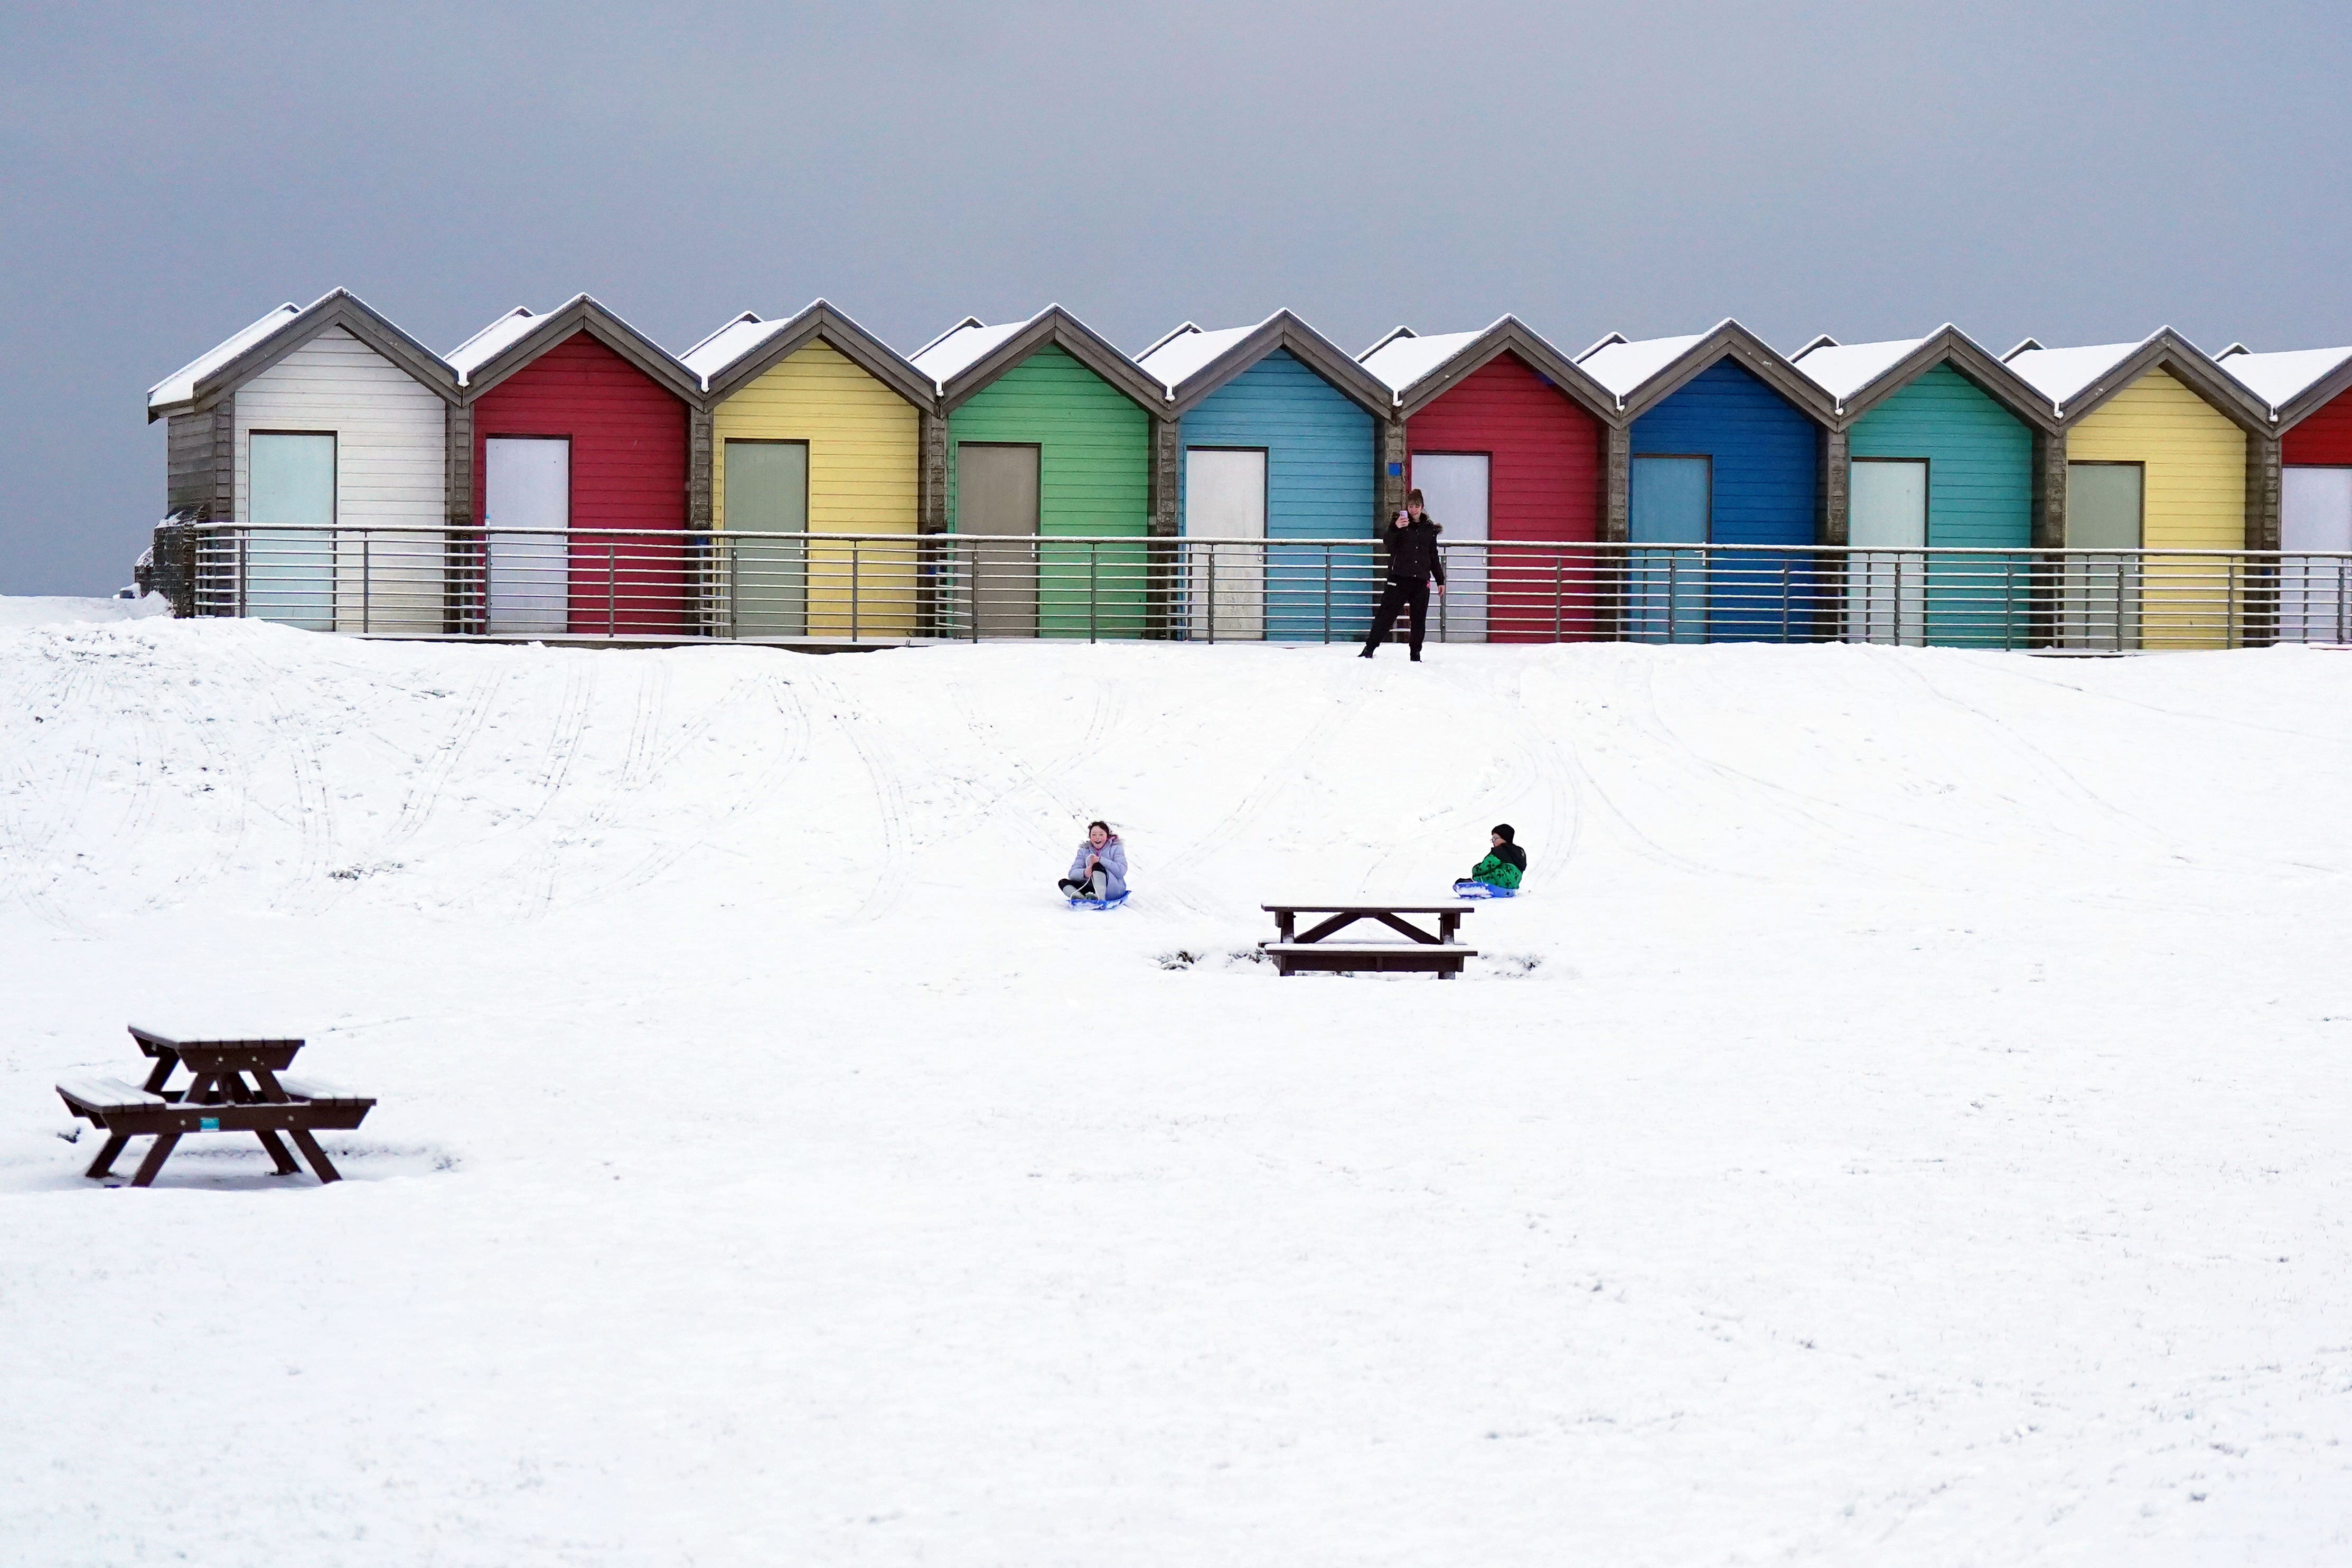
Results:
<point x="164" y="1061"/>
<point x="1447" y="921"/>
<point x="104" y="1163"/>
<point x="1286" y="922"/>
<point x="153" y="1164"/>
<point x="286" y="1165"/>
<point x="312" y="1153"/>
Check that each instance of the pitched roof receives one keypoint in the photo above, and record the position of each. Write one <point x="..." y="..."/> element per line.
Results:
<point x="1419" y="370"/>
<point x="2078" y="382"/>
<point x="1641" y="374"/>
<point x="1860" y="376"/>
<point x="1621" y="364"/>
<point x="960" y="346"/>
<point x="180" y="386"/>
<point x="2059" y="373"/>
<point x="748" y="347"/>
<point x="2281" y="377"/>
<point x="247" y="353"/>
<point x="517" y="339"/>
<point x="1843" y="369"/>
<point x="1186" y="351"/>
<point x="966" y="358"/>
<point x="1191" y="363"/>
<point x="486" y="344"/>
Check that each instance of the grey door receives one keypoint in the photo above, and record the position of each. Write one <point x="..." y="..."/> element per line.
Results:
<point x="767" y="493"/>
<point x="1666" y="590"/>
<point x="289" y="576"/>
<point x="996" y="499"/>
<point x="2103" y="593"/>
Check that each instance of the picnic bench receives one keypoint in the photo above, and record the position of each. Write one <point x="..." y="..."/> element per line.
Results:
<point x="1422" y="951"/>
<point x="234" y="1086"/>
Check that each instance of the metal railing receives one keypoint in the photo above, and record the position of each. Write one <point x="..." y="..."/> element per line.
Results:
<point x="823" y="588"/>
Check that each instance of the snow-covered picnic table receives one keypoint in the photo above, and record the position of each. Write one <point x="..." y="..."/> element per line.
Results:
<point x="1294" y="950"/>
<point x="234" y="1086"/>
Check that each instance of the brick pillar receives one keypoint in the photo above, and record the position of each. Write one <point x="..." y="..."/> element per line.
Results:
<point x="170" y="569"/>
<point x="2048" y="490"/>
<point x="1617" y="486"/>
<point x="932" y="502"/>
<point x="1164" y="458"/>
<point x="702" y="467"/>
<point x="462" y="597"/>
<point x="223" y="502"/>
<point x="1833" y="525"/>
<point x="1389" y="473"/>
<point x="2264" y="458"/>
<point x="712" y="613"/>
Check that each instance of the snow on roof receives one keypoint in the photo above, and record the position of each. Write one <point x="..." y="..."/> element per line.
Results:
<point x="1403" y="361"/>
<point x="962" y="348"/>
<point x="2059" y="373"/>
<point x="1843" y="369"/>
<point x="1621" y="366"/>
<point x="1185" y="352"/>
<point x="729" y="344"/>
<point x="489" y="342"/>
<point x="180" y="386"/>
<point x="2279" y="378"/>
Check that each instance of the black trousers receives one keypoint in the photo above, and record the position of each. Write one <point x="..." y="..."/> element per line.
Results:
<point x="1410" y="592"/>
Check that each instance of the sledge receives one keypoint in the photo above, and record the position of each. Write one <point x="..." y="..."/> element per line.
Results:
<point x="1099" y="905"/>
<point x="1466" y="888"/>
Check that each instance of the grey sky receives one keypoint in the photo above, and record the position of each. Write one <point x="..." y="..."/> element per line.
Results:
<point x="2081" y="173"/>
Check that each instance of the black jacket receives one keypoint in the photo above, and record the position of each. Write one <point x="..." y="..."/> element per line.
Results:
<point x="1412" y="550"/>
<point x="1512" y="855"/>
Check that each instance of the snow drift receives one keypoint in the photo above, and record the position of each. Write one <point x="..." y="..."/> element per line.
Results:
<point x="1903" y="1123"/>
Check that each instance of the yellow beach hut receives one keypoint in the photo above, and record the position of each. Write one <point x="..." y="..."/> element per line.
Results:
<point x="815" y="429"/>
<point x="2156" y="445"/>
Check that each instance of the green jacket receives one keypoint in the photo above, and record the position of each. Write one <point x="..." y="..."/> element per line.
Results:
<point x="1495" y="871"/>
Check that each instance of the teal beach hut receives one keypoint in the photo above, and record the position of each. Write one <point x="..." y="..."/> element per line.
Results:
<point x="1940" y="438"/>
<point x="1277" y="438"/>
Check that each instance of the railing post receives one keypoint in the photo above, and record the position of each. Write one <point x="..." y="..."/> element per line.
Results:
<point x="1326" y="595"/>
<point x="855" y="546"/>
<point x="367" y="584"/>
<point x="1094" y="586"/>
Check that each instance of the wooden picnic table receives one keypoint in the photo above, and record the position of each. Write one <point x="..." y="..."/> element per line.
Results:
<point x="234" y="1086"/>
<point x="1422" y="951"/>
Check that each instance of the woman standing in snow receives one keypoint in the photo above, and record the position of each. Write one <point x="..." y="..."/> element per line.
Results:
<point x="1098" y="870"/>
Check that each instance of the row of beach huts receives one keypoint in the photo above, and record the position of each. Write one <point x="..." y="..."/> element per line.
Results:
<point x="329" y="417"/>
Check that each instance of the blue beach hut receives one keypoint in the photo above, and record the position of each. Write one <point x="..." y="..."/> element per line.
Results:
<point x="1940" y="439"/>
<point x="1727" y="447"/>
<point x="1278" y="438"/>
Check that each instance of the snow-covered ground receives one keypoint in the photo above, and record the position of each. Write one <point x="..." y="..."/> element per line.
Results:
<point x="1908" y="1122"/>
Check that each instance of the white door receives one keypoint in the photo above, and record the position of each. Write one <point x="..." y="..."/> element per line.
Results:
<point x="1886" y="577"/>
<point x="1225" y="502"/>
<point x="2105" y="503"/>
<point x="2314" y="514"/>
<point x="1453" y="491"/>
<point x="527" y="484"/>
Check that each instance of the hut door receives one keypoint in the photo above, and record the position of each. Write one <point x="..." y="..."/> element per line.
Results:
<point x="1665" y="589"/>
<point x="1455" y="490"/>
<point x="996" y="497"/>
<point x="526" y="484"/>
<point x="766" y="492"/>
<point x="2103" y="513"/>
<point x="2314" y="514"/>
<point x="1886" y="577"/>
<point x="1224" y="501"/>
<point x="289" y="576"/>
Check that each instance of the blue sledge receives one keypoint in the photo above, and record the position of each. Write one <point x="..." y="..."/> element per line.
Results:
<point x="1099" y="905"/>
<point x="1465" y="888"/>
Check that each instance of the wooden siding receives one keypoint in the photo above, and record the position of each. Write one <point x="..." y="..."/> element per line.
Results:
<point x="1766" y="454"/>
<point x="1094" y="478"/>
<point x="390" y="466"/>
<point x="2325" y="436"/>
<point x="865" y="471"/>
<point x="1979" y="461"/>
<point x="628" y="471"/>
<point x="1546" y="483"/>
<point x="2194" y="494"/>
<point x="1319" y="486"/>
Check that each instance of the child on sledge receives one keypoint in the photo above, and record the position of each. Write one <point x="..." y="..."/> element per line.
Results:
<point x="1504" y="864"/>
<point x="1098" y="870"/>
